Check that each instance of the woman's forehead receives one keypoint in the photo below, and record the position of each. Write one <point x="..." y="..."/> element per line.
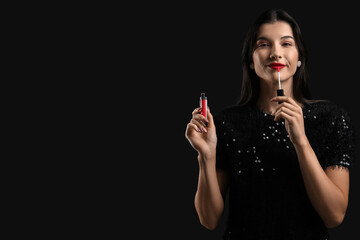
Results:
<point x="275" y="30"/>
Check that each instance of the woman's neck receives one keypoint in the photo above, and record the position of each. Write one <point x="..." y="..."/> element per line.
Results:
<point x="268" y="91"/>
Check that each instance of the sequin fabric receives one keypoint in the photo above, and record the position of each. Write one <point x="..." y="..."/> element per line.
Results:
<point x="267" y="196"/>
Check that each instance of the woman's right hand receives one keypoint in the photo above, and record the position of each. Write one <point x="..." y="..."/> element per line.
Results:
<point x="201" y="136"/>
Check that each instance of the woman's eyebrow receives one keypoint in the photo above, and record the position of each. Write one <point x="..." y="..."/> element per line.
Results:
<point x="287" y="36"/>
<point x="267" y="39"/>
<point x="262" y="38"/>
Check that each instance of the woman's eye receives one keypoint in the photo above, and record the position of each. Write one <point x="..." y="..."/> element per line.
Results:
<point x="263" y="44"/>
<point x="287" y="44"/>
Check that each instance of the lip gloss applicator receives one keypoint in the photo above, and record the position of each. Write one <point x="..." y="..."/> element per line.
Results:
<point x="280" y="91"/>
<point x="278" y="66"/>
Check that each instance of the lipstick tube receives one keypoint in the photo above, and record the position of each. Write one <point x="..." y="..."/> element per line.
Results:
<point x="203" y="105"/>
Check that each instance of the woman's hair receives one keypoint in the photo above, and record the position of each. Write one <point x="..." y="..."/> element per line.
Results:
<point x="251" y="84"/>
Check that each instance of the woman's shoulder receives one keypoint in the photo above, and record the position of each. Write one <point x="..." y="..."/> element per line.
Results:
<point x="324" y="108"/>
<point x="326" y="112"/>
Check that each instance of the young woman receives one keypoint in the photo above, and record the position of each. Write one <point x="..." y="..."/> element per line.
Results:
<point x="284" y="159"/>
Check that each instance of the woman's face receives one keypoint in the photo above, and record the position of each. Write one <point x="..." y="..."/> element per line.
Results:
<point x="275" y="43"/>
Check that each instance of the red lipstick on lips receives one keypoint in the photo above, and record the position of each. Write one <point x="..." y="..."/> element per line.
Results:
<point x="277" y="66"/>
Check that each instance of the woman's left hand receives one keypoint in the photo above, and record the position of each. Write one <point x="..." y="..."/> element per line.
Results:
<point x="292" y="113"/>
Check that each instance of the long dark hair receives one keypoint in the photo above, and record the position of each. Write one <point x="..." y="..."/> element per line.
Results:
<point x="251" y="84"/>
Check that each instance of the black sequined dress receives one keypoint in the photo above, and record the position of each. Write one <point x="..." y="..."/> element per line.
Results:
<point x="267" y="196"/>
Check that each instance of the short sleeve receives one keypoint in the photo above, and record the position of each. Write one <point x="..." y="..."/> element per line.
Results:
<point x="222" y="161"/>
<point x="340" y="142"/>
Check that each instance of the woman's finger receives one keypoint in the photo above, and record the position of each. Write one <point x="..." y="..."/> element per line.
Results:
<point x="200" y="118"/>
<point x="284" y="115"/>
<point x="284" y="99"/>
<point x="210" y="119"/>
<point x="285" y="110"/>
<point x="200" y="125"/>
<point x="196" y="111"/>
<point x="284" y="105"/>
<point x="194" y="126"/>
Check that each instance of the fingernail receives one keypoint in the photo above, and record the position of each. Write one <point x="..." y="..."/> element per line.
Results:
<point x="204" y="129"/>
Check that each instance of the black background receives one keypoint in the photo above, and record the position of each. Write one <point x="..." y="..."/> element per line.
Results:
<point x="177" y="52"/>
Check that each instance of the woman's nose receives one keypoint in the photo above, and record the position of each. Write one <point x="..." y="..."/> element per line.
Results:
<point x="275" y="54"/>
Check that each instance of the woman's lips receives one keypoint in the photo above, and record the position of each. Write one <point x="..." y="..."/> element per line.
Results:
<point x="276" y="65"/>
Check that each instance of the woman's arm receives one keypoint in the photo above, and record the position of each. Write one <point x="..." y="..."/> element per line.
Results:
<point x="212" y="183"/>
<point x="210" y="194"/>
<point x="327" y="190"/>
